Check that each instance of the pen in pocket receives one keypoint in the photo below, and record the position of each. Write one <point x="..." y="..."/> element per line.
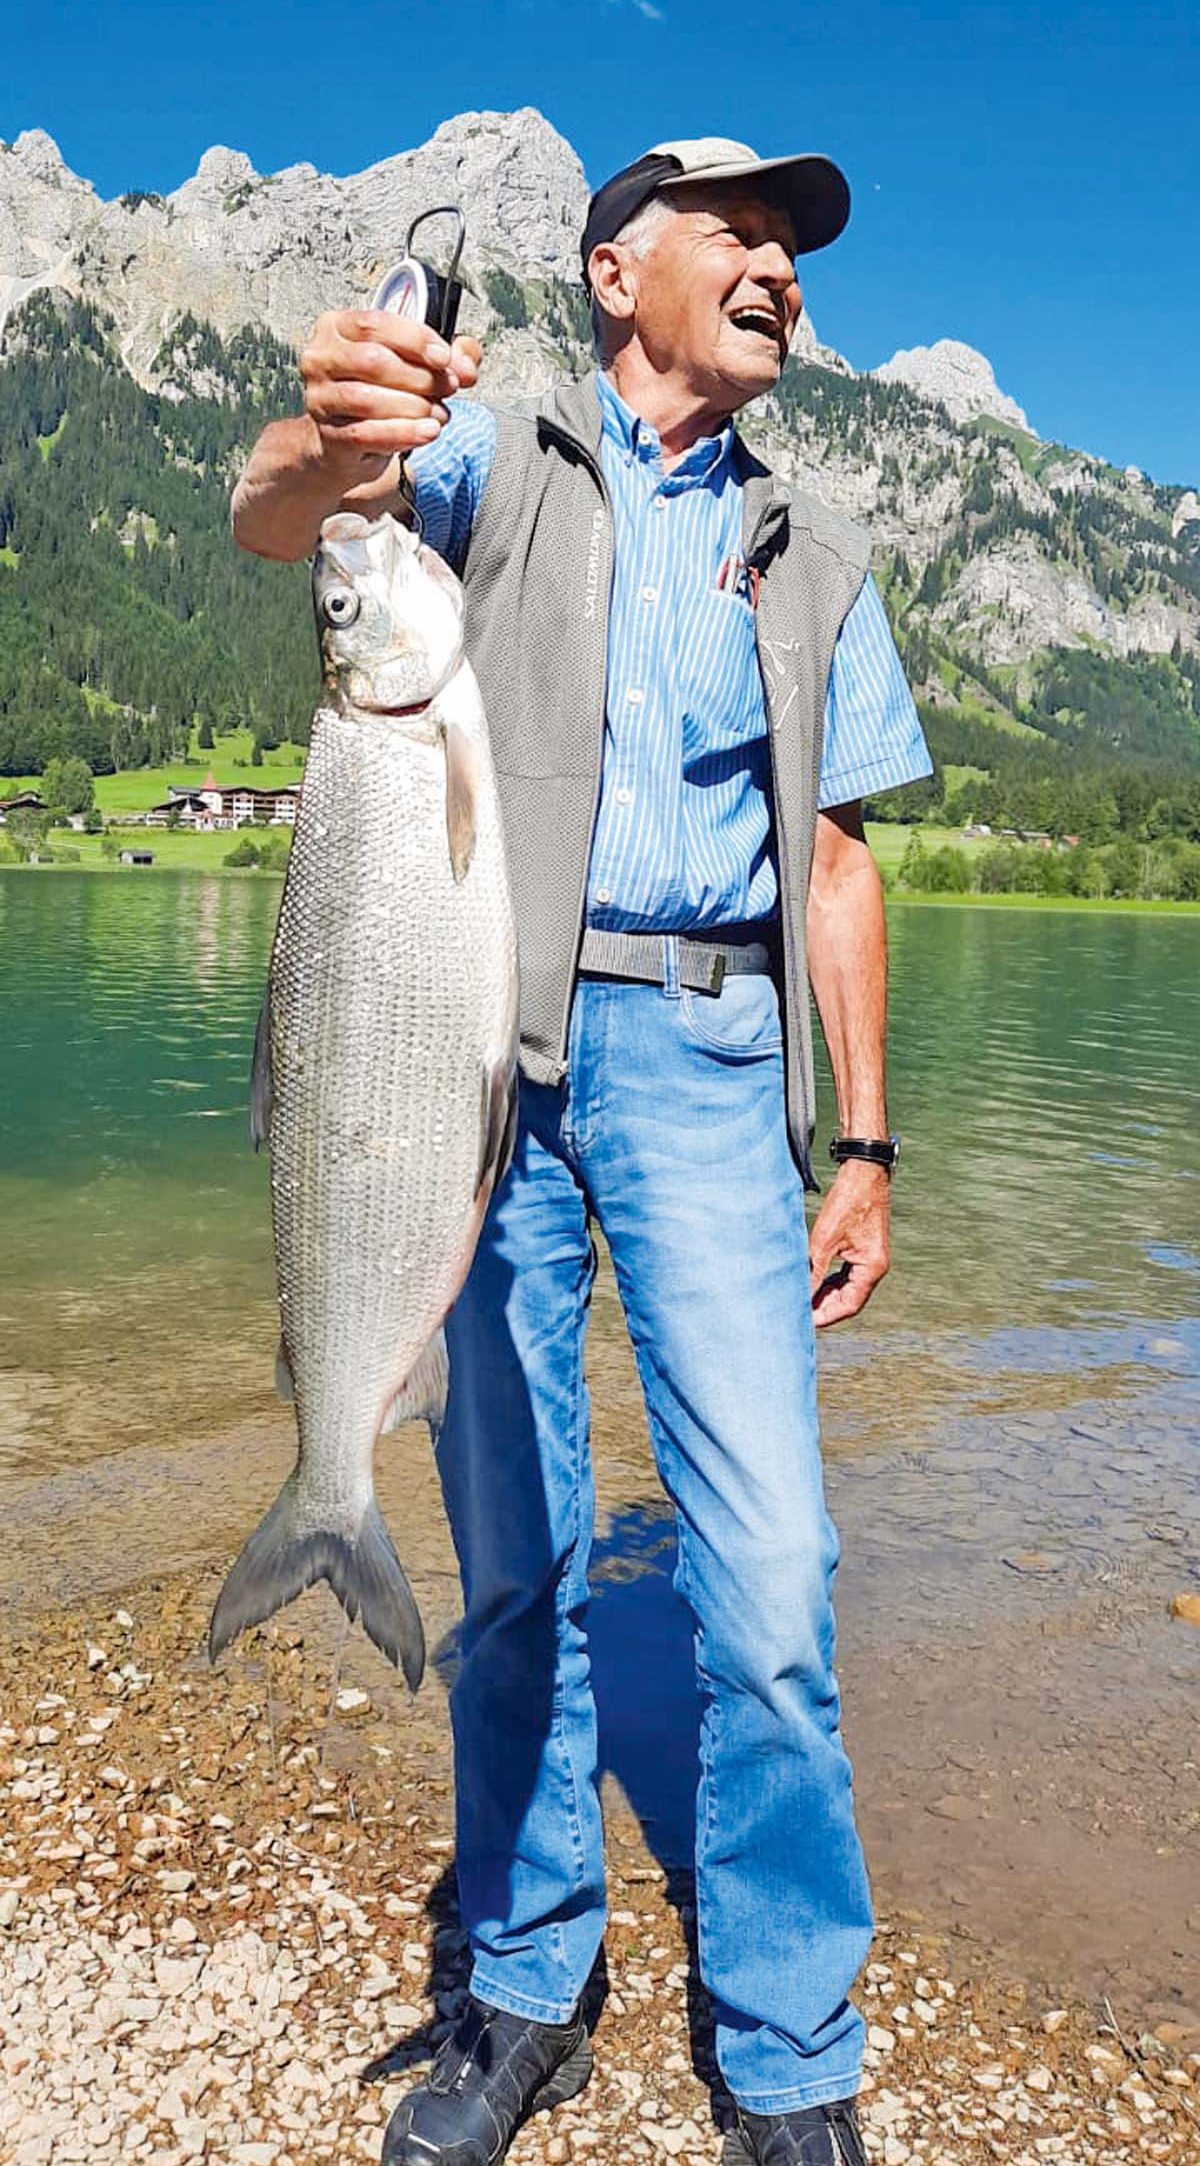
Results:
<point x="735" y="576"/>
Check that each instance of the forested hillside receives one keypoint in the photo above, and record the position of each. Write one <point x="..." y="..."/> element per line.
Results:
<point x="127" y="616"/>
<point x="125" y="611"/>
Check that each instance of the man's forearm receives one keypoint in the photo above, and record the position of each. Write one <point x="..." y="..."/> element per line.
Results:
<point x="290" y="485"/>
<point x="847" y="963"/>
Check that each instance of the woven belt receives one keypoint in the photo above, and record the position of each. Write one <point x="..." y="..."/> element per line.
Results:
<point x="703" y="964"/>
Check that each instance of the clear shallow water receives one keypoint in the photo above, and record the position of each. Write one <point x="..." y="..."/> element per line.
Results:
<point x="1012" y="1430"/>
<point x="135" y="1271"/>
<point x="1045" y="1073"/>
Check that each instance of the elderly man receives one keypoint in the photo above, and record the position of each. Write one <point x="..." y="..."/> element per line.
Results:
<point x="691" y="686"/>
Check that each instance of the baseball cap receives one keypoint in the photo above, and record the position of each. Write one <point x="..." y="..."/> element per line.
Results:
<point x="812" y="189"/>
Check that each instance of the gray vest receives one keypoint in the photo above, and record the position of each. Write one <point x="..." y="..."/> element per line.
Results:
<point x="537" y="578"/>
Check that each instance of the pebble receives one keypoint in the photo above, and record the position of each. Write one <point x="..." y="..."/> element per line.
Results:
<point x="1186" y="1607"/>
<point x="350" y="1701"/>
<point x="174" y="1974"/>
<point x="236" y="1991"/>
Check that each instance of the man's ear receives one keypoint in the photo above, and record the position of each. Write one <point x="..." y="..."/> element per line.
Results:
<point x="613" y="278"/>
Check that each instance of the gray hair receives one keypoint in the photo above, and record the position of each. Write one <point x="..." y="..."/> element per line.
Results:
<point x="638" y="235"/>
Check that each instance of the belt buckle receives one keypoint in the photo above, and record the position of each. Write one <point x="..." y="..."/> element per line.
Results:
<point x="716" y="976"/>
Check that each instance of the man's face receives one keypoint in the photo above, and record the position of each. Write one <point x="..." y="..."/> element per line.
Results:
<point x="717" y="297"/>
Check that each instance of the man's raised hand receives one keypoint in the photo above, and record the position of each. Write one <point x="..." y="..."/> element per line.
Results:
<point x="376" y="384"/>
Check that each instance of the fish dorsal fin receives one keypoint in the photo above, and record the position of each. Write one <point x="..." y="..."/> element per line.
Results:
<point x="262" y="1081"/>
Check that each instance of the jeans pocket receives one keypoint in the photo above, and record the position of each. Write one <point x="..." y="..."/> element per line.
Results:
<point x="741" y="1021"/>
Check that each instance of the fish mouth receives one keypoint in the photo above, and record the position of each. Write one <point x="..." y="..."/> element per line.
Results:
<point x="389" y="707"/>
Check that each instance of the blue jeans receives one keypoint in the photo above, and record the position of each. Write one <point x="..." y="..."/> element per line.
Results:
<point x="669" y="1130"/>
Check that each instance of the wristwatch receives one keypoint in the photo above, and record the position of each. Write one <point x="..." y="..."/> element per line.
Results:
<point x="878" y="1151"/>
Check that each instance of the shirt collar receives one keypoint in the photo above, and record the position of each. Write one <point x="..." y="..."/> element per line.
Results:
<point x="640" y="441"/>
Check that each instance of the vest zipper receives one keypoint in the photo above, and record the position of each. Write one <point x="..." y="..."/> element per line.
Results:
<point x="554" y="428"/>
<point x="791" y="991"/>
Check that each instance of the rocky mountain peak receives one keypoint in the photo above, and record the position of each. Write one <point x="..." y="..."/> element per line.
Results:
<point x="961" y="379"/>
<point x="233" y="246"/>
<point x="39" y="154"/>
<point x="219" y="170"/>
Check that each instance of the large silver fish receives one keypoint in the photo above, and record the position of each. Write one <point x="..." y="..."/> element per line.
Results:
<point x="384" y="1070"/>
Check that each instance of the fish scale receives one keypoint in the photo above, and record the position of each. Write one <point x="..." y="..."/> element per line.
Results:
<point x="392" y="1018"/>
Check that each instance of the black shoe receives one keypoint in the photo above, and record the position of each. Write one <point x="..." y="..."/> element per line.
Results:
<point x="491" y="2074"/>
<point x="810" y="2136"/>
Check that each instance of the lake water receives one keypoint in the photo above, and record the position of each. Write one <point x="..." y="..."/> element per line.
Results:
<point x="1012" y="1429"/>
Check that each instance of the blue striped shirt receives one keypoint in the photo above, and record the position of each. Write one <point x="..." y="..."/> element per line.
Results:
<point x="683" y="834"/>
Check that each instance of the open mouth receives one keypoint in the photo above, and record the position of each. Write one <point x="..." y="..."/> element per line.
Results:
<point x="760" y="322"/>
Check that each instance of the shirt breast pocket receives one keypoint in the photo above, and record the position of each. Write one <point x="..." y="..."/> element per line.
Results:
<point x="718" y="674"/>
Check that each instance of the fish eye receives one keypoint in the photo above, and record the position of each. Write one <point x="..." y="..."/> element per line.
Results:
<point x="339" y="606"/>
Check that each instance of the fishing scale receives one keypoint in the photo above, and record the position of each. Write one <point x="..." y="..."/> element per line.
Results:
<point x="416" y="289"/>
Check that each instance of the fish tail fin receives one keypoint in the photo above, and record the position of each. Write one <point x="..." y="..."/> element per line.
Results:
<point x="365" y="1573"/>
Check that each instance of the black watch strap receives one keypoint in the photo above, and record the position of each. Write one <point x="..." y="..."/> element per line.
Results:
<point x="877" y="1150"/>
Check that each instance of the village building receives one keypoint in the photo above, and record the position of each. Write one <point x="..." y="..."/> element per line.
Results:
<point x="214" y="805"/>
<point x="24" y="801"/>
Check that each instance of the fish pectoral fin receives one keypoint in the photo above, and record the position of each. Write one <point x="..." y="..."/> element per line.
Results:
<point x="422" y="1396"/>
<point x="279" y="1562"/>
<point x="462" y="791"/>
<point x="497" y="1125"/>
<point x="285" y="1382"/>
<point x="262" y="1082"/>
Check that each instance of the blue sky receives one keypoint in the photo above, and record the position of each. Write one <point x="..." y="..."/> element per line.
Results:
<point x="1026" y="179"/>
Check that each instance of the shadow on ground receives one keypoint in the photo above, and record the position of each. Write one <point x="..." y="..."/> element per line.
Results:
<point x="648" y="1717"/>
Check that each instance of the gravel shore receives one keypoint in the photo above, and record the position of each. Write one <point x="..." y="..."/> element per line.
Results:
<point x="227" y="1931"/>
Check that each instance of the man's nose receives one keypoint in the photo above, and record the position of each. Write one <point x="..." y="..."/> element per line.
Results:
<point x="771" y="264"/>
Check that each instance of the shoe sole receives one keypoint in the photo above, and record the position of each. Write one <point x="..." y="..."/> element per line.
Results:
<point x="738" y="2153"/>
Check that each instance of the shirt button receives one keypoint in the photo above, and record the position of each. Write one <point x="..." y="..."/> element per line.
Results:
<point x="624" y="797"/>
<point x="603" y="895"/>
<point x="649" y="594"/>
<point x="635" y="695"/>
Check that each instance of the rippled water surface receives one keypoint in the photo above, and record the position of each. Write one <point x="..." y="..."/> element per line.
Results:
<point x="1012" y="1431"/>
<point x="1045" y="1072"/>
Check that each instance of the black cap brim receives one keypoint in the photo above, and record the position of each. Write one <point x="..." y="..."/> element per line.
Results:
<point x="810" y="188"/>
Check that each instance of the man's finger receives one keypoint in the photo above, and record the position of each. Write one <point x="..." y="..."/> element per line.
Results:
<point x="402" y="334"/>
<point x="371" y="402"/>
<point x="345" y="360"/>
<point x="466" y="355"/>
<point x="841" y="1296"/>
<point x="380" y="436"/>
